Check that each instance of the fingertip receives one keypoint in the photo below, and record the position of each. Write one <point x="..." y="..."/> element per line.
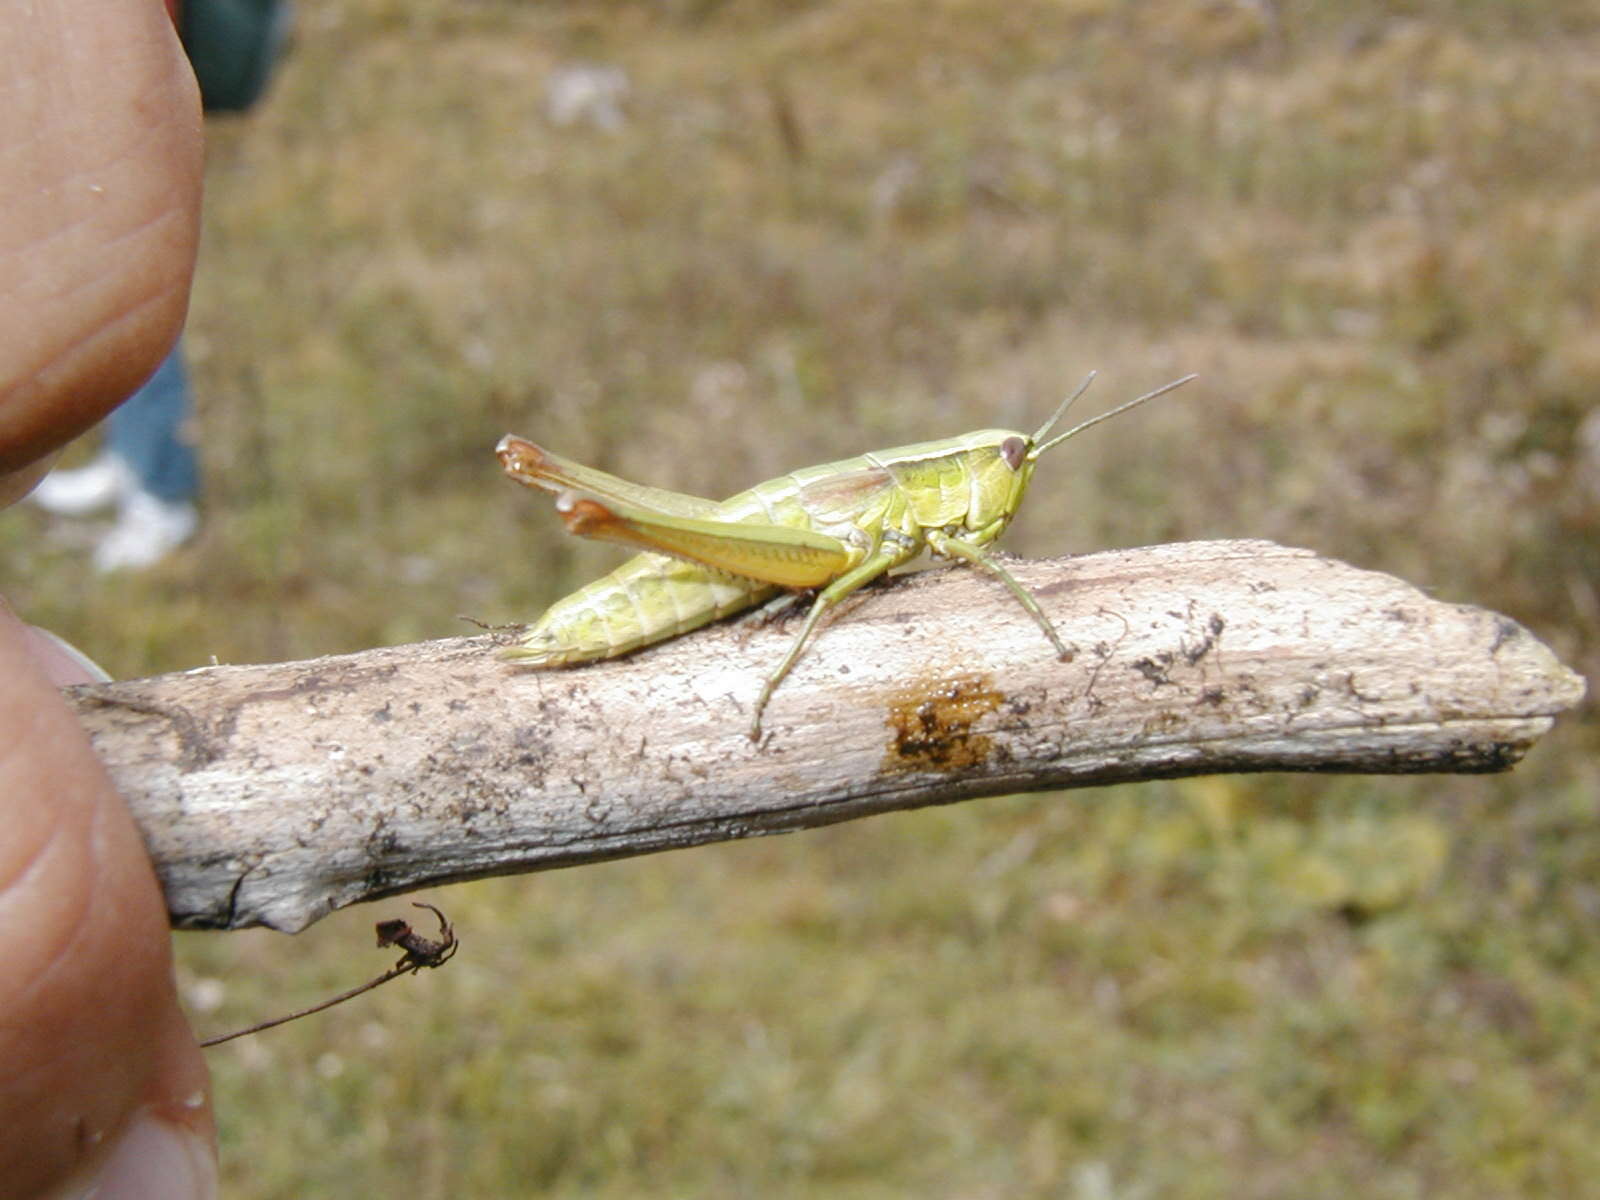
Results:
<point x="90" y="1028"/>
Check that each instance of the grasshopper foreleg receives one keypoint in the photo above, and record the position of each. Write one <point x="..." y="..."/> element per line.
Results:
<point x="950" y="547"/>
<point x="858" y="576"/>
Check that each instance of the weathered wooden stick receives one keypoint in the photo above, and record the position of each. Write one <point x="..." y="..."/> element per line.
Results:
<point x="274" y="794"/>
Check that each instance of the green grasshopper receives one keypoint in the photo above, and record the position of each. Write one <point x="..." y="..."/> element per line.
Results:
<point x="834" y="528"/>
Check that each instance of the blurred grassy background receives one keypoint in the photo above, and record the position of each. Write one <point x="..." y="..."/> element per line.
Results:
<point x="1374" y="228"/>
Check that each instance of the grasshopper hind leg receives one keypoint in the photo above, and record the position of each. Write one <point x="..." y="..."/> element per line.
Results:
<point x="778" y="607"/>
<point x="950" y="547"/>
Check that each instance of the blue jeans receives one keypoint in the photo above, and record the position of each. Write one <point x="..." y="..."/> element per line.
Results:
<point x="147" y="433"/>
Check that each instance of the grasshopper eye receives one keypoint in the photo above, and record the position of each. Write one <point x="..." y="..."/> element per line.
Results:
<point x="1014" y="450"/>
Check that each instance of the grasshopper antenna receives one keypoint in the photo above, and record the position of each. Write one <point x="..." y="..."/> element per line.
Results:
<point x="1065" y="404"/>
<point x="1105" y="416"/>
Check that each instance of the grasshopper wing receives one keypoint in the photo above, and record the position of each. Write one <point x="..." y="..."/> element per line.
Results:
<point x="536" y="467"/>
<point x="845" y="495"/>
<point x="792" y="558"/>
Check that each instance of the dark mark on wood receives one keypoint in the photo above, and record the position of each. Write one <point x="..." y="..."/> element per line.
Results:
<point x="933" y="726"/>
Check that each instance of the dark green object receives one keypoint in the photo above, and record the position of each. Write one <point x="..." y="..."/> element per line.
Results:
<point x="232" y="45"/>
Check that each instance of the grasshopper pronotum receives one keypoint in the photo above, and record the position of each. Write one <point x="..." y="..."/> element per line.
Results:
<point x="832" y="528"/>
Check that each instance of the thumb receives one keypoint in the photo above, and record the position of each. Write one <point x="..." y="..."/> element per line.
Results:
<point x="103" y="1081"/>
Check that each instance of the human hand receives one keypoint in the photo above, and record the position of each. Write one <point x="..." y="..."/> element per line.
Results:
<point x="102" y="1082"/>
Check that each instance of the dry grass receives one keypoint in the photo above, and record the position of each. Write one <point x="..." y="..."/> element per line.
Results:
<point x="830" y="227"/>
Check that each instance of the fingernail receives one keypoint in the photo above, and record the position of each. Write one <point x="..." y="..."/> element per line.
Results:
<point x="158" y="1161"/>
<point x="63" y="662"/>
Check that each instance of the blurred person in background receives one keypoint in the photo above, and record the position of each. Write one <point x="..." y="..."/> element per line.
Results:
<point x="147" y="469"/>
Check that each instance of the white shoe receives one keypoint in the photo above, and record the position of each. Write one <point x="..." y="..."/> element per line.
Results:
<point x="147" y="530"/>
<point x="79" y="492"/>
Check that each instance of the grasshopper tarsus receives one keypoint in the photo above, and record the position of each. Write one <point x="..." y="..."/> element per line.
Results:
<point x="754" y="733"/>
